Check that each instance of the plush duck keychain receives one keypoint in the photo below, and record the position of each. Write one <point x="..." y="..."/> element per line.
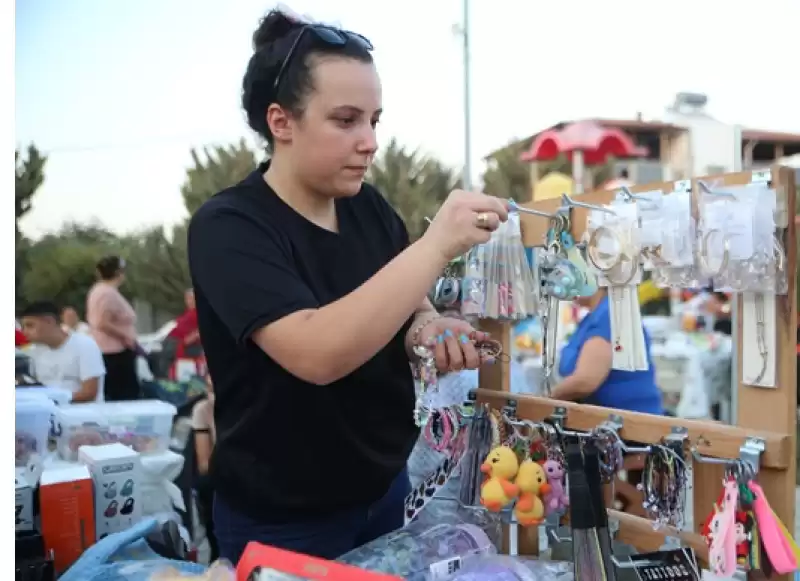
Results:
<point x="532" y="483"/>
<point x="499" y="490"/>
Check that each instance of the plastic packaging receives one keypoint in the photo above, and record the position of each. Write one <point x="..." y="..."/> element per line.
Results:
<point x="498" y="282"/>
<point x="504" y="568"/>
<point x="59" y="395"/>
<point x="34" y="416"/>
<point x="144" y="425"/>
<point x="410" y="551"/>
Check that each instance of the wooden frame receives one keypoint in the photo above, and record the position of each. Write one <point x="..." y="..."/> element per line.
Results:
<point x="769" y="414"/>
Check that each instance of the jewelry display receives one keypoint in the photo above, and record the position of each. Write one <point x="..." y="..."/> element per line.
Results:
<point x="499" y="283"/>
<point x="704" y="253"/>
<point x="614" y="251"/>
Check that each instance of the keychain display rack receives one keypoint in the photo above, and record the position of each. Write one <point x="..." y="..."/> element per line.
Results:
<point x="764" y="428"/>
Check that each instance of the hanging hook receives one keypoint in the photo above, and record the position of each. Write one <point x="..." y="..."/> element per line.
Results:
<point x="569" y="202"/>
<point x="708" y="189"/>
<point x="514" y="207"/>
<point x="629" y="196"/>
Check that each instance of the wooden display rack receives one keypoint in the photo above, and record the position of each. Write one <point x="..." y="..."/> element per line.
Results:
<point x="769" y="414"/>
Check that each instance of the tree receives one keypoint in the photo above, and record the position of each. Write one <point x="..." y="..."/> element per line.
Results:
<point x="214" y="170"/>
<point x="415" y="185"/>
<point x="28" y="178"/>
<point x="507" y="176"/>
<point x="158" y="267"/>
<point x="61" y="267"/>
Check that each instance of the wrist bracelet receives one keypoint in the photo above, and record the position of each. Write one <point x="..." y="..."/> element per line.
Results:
<point x="417" y="329"/>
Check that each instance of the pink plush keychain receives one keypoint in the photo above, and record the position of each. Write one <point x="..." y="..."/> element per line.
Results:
<point x="557" y="498"/>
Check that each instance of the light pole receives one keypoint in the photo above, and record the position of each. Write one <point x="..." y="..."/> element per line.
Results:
<point x="463" y="31"/>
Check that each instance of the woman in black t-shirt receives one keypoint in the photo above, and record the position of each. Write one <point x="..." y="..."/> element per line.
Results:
<point x="310" y="299"/>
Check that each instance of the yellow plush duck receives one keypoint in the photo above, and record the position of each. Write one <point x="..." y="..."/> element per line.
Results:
<point x="500" y="467"/>
<point x="532" y="483"/>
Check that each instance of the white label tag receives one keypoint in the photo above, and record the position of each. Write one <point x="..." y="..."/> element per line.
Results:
<point x="740" y="235"/>
<point x="444" y="569"/>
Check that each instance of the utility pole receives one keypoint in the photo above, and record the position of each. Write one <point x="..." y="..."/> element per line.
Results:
<point x="467" y="178"/>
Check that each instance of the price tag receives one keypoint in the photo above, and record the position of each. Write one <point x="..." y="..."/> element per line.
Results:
<point x="444" y="569"/>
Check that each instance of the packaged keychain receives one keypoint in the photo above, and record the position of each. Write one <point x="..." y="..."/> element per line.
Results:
<point x="498" y="281"/>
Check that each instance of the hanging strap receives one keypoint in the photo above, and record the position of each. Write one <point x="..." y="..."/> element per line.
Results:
<point x="776" y="544"/>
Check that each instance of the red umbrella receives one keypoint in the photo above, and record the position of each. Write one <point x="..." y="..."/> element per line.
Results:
<point x="596" y="143"/>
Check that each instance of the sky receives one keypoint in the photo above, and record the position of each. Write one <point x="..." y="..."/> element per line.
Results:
<point x="117" y="93"/>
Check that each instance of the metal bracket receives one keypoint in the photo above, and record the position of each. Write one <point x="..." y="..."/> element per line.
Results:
<point x="750" y="453"/>
<point x="559" y="417"/>
<point x="510" y="409"/>
<point x="676" y="439"/>
<point x="682" y="186"/>
<point x="614" y="422"/>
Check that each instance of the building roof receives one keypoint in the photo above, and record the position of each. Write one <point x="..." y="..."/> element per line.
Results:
<point x="641" y="125"/>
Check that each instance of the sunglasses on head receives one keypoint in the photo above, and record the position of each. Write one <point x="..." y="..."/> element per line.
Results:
<point x="329" y="36"/>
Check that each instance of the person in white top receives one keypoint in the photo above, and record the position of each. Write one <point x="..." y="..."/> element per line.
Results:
<point x="69" y="360"/>
<point x="71" y="321"/>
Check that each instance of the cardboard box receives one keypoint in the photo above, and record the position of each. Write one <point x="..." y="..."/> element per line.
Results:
<point x="66" y="501"/>
<point x="259" y="560"/>
<point x="117" y="475"/>
<point x="23" y="501"/>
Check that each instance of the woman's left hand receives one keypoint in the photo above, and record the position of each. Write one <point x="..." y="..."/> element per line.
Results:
<point x="453" y="341"/>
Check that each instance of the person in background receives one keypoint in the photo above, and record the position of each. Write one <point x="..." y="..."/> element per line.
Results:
<point x="113" y="325"/>
<point x="585" y="365"/>
<point x="205" y="435"/>
<point x="718" y="305"/>
<point x="20" y="340"/>
<point x="184" y="340"/>
<point x="71" y="321"/>
<point x="69" y="360"/>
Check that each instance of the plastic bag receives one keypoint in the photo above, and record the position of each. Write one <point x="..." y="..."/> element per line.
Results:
<point x="504" y="568"/>
<point x="410" y="551"/>
<point x="219" y="571"/>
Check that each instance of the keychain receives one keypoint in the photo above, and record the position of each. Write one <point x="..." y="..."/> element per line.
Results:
<point x="428" y="383"/>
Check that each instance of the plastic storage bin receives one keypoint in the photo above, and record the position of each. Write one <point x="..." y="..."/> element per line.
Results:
<point x="59" y="395"/>
<point x="144" y="425"/>
<point x="34" y="416"/>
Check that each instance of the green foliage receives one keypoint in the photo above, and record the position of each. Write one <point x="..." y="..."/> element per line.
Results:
<point x="157" y="267"/>
<point x="507" y="176"/>
<point x="214" y="170"/>
<point x="414" y="184"/>
<point x="28" y="178"/>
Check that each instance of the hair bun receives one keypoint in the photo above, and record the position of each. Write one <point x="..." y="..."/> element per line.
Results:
<point x="274" y="26"/>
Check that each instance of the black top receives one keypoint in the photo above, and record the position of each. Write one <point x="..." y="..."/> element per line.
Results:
<point x="287" y="449"/>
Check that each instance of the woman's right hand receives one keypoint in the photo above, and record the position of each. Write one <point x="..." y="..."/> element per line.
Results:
<point x="464" y="220"/>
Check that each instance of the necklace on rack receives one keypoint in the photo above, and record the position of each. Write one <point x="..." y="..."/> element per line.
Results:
<point x="761" y="336"/>
<point x="616" y="308"/>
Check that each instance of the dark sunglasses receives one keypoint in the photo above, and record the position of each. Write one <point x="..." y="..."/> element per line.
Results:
<point x="327" y="35"/>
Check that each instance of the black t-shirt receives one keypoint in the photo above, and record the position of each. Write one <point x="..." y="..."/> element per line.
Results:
<point x="287" y="449"/>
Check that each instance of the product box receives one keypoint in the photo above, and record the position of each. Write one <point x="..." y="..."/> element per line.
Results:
<point x="23" y="501"/>
<point x="117" y="475"/>
<point x="66" y="501"/>
<point x="261" y="562"/>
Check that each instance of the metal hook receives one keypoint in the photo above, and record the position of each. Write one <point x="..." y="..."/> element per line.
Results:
<point x="629" y="196"/>
<point x="513" y="206"/>
<point x="569" y="202"/>
<point x="707" y="189"/>
<point x="611" y="428"/>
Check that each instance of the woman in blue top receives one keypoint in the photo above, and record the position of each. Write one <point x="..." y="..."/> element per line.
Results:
<point x="585" y="366"/>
